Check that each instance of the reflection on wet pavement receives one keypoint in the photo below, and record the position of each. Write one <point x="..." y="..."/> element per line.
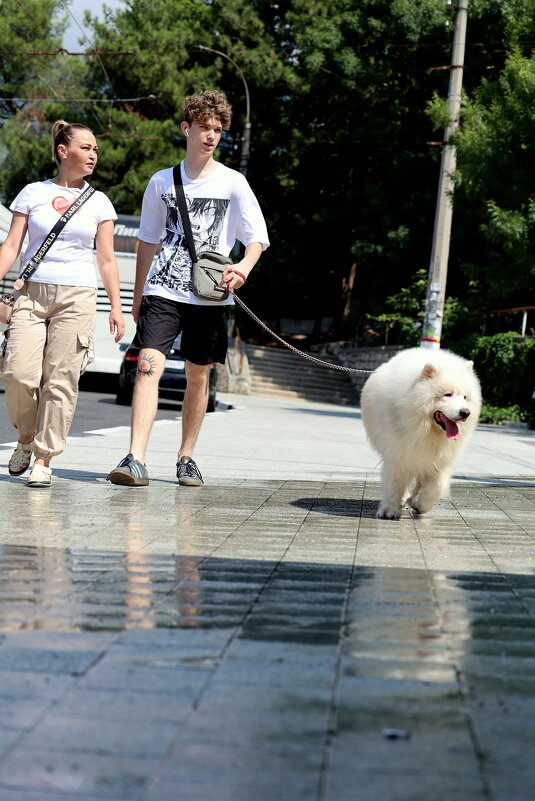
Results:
<point x="265" y="640"/>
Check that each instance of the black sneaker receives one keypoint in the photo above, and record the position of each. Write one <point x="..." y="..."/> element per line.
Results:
<point x="188" y="473"/>
<point x="129" y="472"/>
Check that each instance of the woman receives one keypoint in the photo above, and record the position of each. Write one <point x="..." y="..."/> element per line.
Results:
<point x="50" y="334"/>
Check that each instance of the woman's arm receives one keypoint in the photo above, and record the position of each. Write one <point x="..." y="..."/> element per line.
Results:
<point x="13" y="242"/>
<point x="107" y="265"/>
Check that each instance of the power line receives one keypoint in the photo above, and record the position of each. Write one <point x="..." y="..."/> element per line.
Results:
<point x="81" y="99"/>
<point x="63" y="52"/>
<point x="104" y="70"/>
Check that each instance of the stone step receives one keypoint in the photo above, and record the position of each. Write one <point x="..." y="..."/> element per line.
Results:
<point x="281" y="356"/>
<point x="320" y="396"/>
<point x="296" y="381"/>
<point x="344" y="389"/>
<point x="323" y="373"/>
<point x="276" y="372"/>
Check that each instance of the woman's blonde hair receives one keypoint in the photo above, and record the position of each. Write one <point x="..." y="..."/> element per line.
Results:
<point x="62" y="134"/>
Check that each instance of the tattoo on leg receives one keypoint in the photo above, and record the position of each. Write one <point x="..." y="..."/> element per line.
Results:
<point x="146" y="364"/>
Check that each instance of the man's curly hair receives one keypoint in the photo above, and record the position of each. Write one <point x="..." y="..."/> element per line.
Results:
<point x="203" y="105"/>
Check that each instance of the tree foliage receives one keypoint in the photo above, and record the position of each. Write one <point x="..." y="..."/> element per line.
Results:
<point x="495" y="192"/>
<point x="30" y="34"/>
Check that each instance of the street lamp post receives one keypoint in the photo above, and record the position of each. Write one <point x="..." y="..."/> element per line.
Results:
<point x="246" y="136"/>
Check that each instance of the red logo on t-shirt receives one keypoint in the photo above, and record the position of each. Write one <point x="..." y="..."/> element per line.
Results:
<point x="61" y="204"/>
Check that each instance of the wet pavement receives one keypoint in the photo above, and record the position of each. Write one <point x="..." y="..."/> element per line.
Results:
<point x="265" y="638"/>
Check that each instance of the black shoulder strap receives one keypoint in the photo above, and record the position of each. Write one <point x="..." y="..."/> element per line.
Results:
<point x="39" y="255"/>
<point x="186" y="223"/>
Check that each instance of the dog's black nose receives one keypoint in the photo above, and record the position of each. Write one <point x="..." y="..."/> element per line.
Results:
<point x="464" y="413"/>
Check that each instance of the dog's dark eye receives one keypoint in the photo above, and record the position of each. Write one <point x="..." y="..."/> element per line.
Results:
<point x="448" y="394"/>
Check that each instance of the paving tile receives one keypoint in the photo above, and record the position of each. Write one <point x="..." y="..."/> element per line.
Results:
<point x="47" y="661"/>
<point x="402" y="786"/>
<point x="198" y="771"/>
<point x="184" y="675"/>
<point x="246" y="791"/>
<point x="21" y="713"/>
<point x="278" y="671"/>
<point x="104" y="738"/>
<point x="261" y="715"/>
<point x="103" y="777"/>
<point x="23" y="794"/>
<point x="127" y="706"/>
<point x="8" y="737"/>
<point x="28" y="684"/>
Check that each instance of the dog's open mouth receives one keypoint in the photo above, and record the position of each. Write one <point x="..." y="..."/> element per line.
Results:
<point x="449" y="426"/>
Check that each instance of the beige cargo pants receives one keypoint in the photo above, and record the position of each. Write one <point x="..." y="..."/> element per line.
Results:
<point x="49" y="335"/>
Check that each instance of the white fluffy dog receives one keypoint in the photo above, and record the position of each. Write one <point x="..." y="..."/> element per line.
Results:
<point x="419" y="410"/>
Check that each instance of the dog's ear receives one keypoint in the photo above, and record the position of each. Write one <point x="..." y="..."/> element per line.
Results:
<point x="429" y="371"/>
<point x="469" y="365"/>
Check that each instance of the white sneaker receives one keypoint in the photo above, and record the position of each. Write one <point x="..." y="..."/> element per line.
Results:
<point x="20" y="459"/>
<point x="40" y="476"/>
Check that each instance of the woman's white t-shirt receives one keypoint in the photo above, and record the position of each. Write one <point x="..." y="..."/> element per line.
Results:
<point x="221" y="207"/>
<point x="69" y="261"/>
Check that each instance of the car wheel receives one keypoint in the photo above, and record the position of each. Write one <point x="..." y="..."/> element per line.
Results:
<point x="211" y="403"/>
<point x="124" y="396"/>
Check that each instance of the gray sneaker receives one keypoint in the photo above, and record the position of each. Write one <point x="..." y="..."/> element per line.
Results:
<point x="129" y="472"/>
<point x="188" y="473"/>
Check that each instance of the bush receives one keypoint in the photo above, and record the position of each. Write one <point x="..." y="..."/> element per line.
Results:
<point x="505" y="364"/>
<point x="498" y="415"/>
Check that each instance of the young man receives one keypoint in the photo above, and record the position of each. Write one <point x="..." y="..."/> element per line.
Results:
<point x="222" y="208"/>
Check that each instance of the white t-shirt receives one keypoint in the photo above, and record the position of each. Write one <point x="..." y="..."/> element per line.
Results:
<point x="222" y="208"/>
<point x="69" y="261"/>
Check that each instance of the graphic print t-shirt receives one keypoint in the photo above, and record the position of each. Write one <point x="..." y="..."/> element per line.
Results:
<point x="69" y="262"/>
<point x="221" y="207"/>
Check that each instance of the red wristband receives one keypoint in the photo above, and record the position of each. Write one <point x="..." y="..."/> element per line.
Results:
<point x="243" y="278"/>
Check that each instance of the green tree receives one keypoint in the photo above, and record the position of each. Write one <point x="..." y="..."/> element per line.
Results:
<point x="495" y="197"/>
<point x="30" y="31"/>
<point x="32" y="25"/>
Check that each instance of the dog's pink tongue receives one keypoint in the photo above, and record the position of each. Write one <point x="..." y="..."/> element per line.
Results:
<point x="452" y="429"/>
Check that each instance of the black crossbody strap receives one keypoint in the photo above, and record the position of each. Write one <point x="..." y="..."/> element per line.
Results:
<point x="186" y="223"/>
<point x="39" y="255"/>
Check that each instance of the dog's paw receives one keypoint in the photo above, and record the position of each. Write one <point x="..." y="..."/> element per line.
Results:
<point x="386" y="512"/>
<point x="421" y="509"/>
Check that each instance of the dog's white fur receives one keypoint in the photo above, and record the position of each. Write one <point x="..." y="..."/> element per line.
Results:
<point x="401" y="403"/>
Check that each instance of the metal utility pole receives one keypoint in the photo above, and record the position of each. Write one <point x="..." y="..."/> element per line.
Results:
<point x="246" y="136"/>
<point x="438" y="270"/>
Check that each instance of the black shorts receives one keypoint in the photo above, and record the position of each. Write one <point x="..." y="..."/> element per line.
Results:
<point x="203" y="328"/>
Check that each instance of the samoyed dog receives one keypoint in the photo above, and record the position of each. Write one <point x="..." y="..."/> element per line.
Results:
<point x="419" y="410"/>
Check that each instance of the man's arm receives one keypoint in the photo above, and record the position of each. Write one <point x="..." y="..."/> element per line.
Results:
<point x="253" y="251"/>
<point x="146" y="252"/>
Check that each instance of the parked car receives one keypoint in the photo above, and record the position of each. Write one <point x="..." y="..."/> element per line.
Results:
<point x="172" y="383"/>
